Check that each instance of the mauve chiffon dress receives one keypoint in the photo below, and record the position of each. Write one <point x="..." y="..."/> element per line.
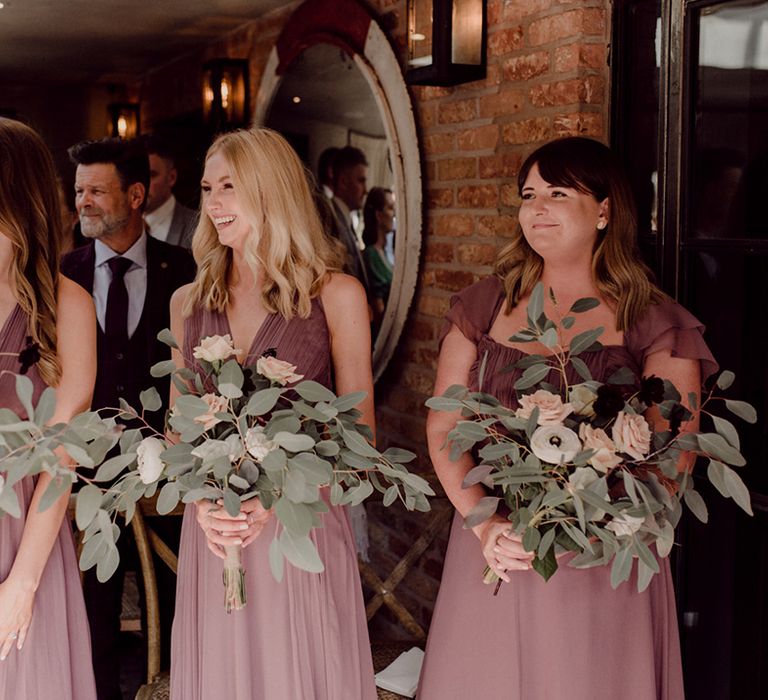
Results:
<point x="574" y="637"/>
<point x="305" y="638"/>
<point x="56" y="659"/>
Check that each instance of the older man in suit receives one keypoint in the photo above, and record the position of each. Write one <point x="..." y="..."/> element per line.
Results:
<point x="167" y="219"/>
<point x="131" y="277"/>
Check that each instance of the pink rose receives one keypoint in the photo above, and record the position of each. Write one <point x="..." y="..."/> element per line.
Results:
<point x="552" y="410"/>
<point x="216" y="348"/>
<point x="604" y="457"/>
<point x="216" y="404"/>
<point x="278" y="371"/>
<point x="632" y="435"/>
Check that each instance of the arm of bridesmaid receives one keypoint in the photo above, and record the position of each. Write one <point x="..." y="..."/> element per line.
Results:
<point x="346" y="312"/>
<point x="76" y="349"/>
<point x="502" y="550"/>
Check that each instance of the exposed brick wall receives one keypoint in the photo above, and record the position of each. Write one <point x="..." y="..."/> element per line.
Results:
<point x="547" y="77"/>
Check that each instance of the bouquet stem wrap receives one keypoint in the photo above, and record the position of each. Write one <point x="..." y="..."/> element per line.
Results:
<point x="234" y="578"/>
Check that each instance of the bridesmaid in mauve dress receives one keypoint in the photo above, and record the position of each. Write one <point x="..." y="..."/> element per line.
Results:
<point x="573" y="637"/>
<point x="267" y="277"/>
<point x="44" y="639"/>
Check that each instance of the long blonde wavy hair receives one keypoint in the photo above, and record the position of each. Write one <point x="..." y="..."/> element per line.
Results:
<point x="621" y="277"/>
<point x="30" y="216"/>
<point x="288" y="242"/>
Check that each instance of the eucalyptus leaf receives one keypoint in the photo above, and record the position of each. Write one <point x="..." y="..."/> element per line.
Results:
<point x="696" y="504"/>
<point x="742" y="409"/>
<point x="535" y="306"/>
<point x="581" y="368"/>
<point x="390" y="496"/>
<point x="622" y="566"/>
<point x="24" y="391"/>
<point x="107" y="564"/>
<point x="162" y="369"/>
<point x="715" y="445"/>
<point x="725" y="379"/>
<point x="168" y="498"/>
<point x="585" y="304"/>
<point x="725" y="428"/>
<point x="87" y="505"/>
<point x="297" y="518"/>
<point x="166" y="337"/>
<point x="263" y="401"/>
<point x="737" y="489"/>
<point x="113" y="466"/>
<point x="314" y="391"/>
<point x="301" y="552"/>
<point x="484" y="509"/>
<point x="294" y="443"/>
<point x="349" y="401"/>
<point x="150" y="399"/>
<point x="584" y="340"/>
<point x="358" y="444"/>
<point x="441" y="403"/>
<point x="532" y="376"/>
<point x="46" y="406"/>
<point x="231" y="502"/>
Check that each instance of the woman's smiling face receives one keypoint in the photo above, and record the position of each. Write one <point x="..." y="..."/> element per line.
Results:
<point x="559" y="222"/>
<point x="221" y="203"/>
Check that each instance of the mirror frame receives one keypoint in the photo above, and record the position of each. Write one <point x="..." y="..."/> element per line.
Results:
<point x="348" y="25"/>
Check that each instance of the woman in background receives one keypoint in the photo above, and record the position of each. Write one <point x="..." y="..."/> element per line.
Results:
<point x="49" y="333"/>
<point x="379" y="220"/>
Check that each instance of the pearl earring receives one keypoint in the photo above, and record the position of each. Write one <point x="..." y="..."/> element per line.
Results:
<point x="601" y="225"/>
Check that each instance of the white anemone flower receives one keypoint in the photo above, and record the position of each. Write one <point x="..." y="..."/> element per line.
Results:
<point x="555" y="444"/>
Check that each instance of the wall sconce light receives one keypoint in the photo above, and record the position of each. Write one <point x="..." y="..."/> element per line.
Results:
<point x="446" y="41"/>
<point x="225" y="93"/>
<point x="123" y="120"/>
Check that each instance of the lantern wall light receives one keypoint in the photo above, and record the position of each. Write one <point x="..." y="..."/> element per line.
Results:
<point x="225" y="93"/>
<point x="124" y="120"/>
<point x="446" y="41"/>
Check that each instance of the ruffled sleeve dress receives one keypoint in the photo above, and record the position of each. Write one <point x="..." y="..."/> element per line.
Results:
<point x="573" y="637"/>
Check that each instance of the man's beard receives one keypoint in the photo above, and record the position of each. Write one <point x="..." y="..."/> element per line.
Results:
<point x="102" y="226"/>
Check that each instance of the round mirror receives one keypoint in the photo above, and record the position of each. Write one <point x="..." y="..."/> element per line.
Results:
<point x="323" y="93"/>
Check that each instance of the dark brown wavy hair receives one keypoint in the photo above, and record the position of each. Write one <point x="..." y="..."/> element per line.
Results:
<point x="30" y="217"/>
<point x="621" y="277"/>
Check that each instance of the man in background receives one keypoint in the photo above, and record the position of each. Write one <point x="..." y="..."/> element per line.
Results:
<point x="167" y="219"/>
<point x="350" y="175"/>
<point x="325" y="170"/>
<point x="131" y="277"/>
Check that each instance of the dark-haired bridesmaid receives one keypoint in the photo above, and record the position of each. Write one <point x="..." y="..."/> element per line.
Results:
<point x="575" y="636"/>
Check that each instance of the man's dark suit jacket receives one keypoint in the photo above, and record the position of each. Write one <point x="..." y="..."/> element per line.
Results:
<point x="168" y="268"/>
<point x="183" y="225"/>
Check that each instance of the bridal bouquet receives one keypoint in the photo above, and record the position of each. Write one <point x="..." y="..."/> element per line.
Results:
<point x="30" y="447"/>
<point x="255" y="431"/>
<point x="578" y="466"/>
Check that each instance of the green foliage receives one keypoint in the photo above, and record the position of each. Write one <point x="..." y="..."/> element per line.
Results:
<point x="242" y="435"/>
<point x="609" y="514"/>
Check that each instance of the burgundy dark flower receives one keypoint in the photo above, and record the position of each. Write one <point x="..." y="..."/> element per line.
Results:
<point x="269" y="352"/>
<point x="29" y="356"/>
<point x="609" y="401"/>
<point x="651" y="390"/>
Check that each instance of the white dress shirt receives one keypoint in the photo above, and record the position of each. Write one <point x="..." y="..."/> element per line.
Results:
<point x="135" y="280"/>
<point x="159" y="221"/>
